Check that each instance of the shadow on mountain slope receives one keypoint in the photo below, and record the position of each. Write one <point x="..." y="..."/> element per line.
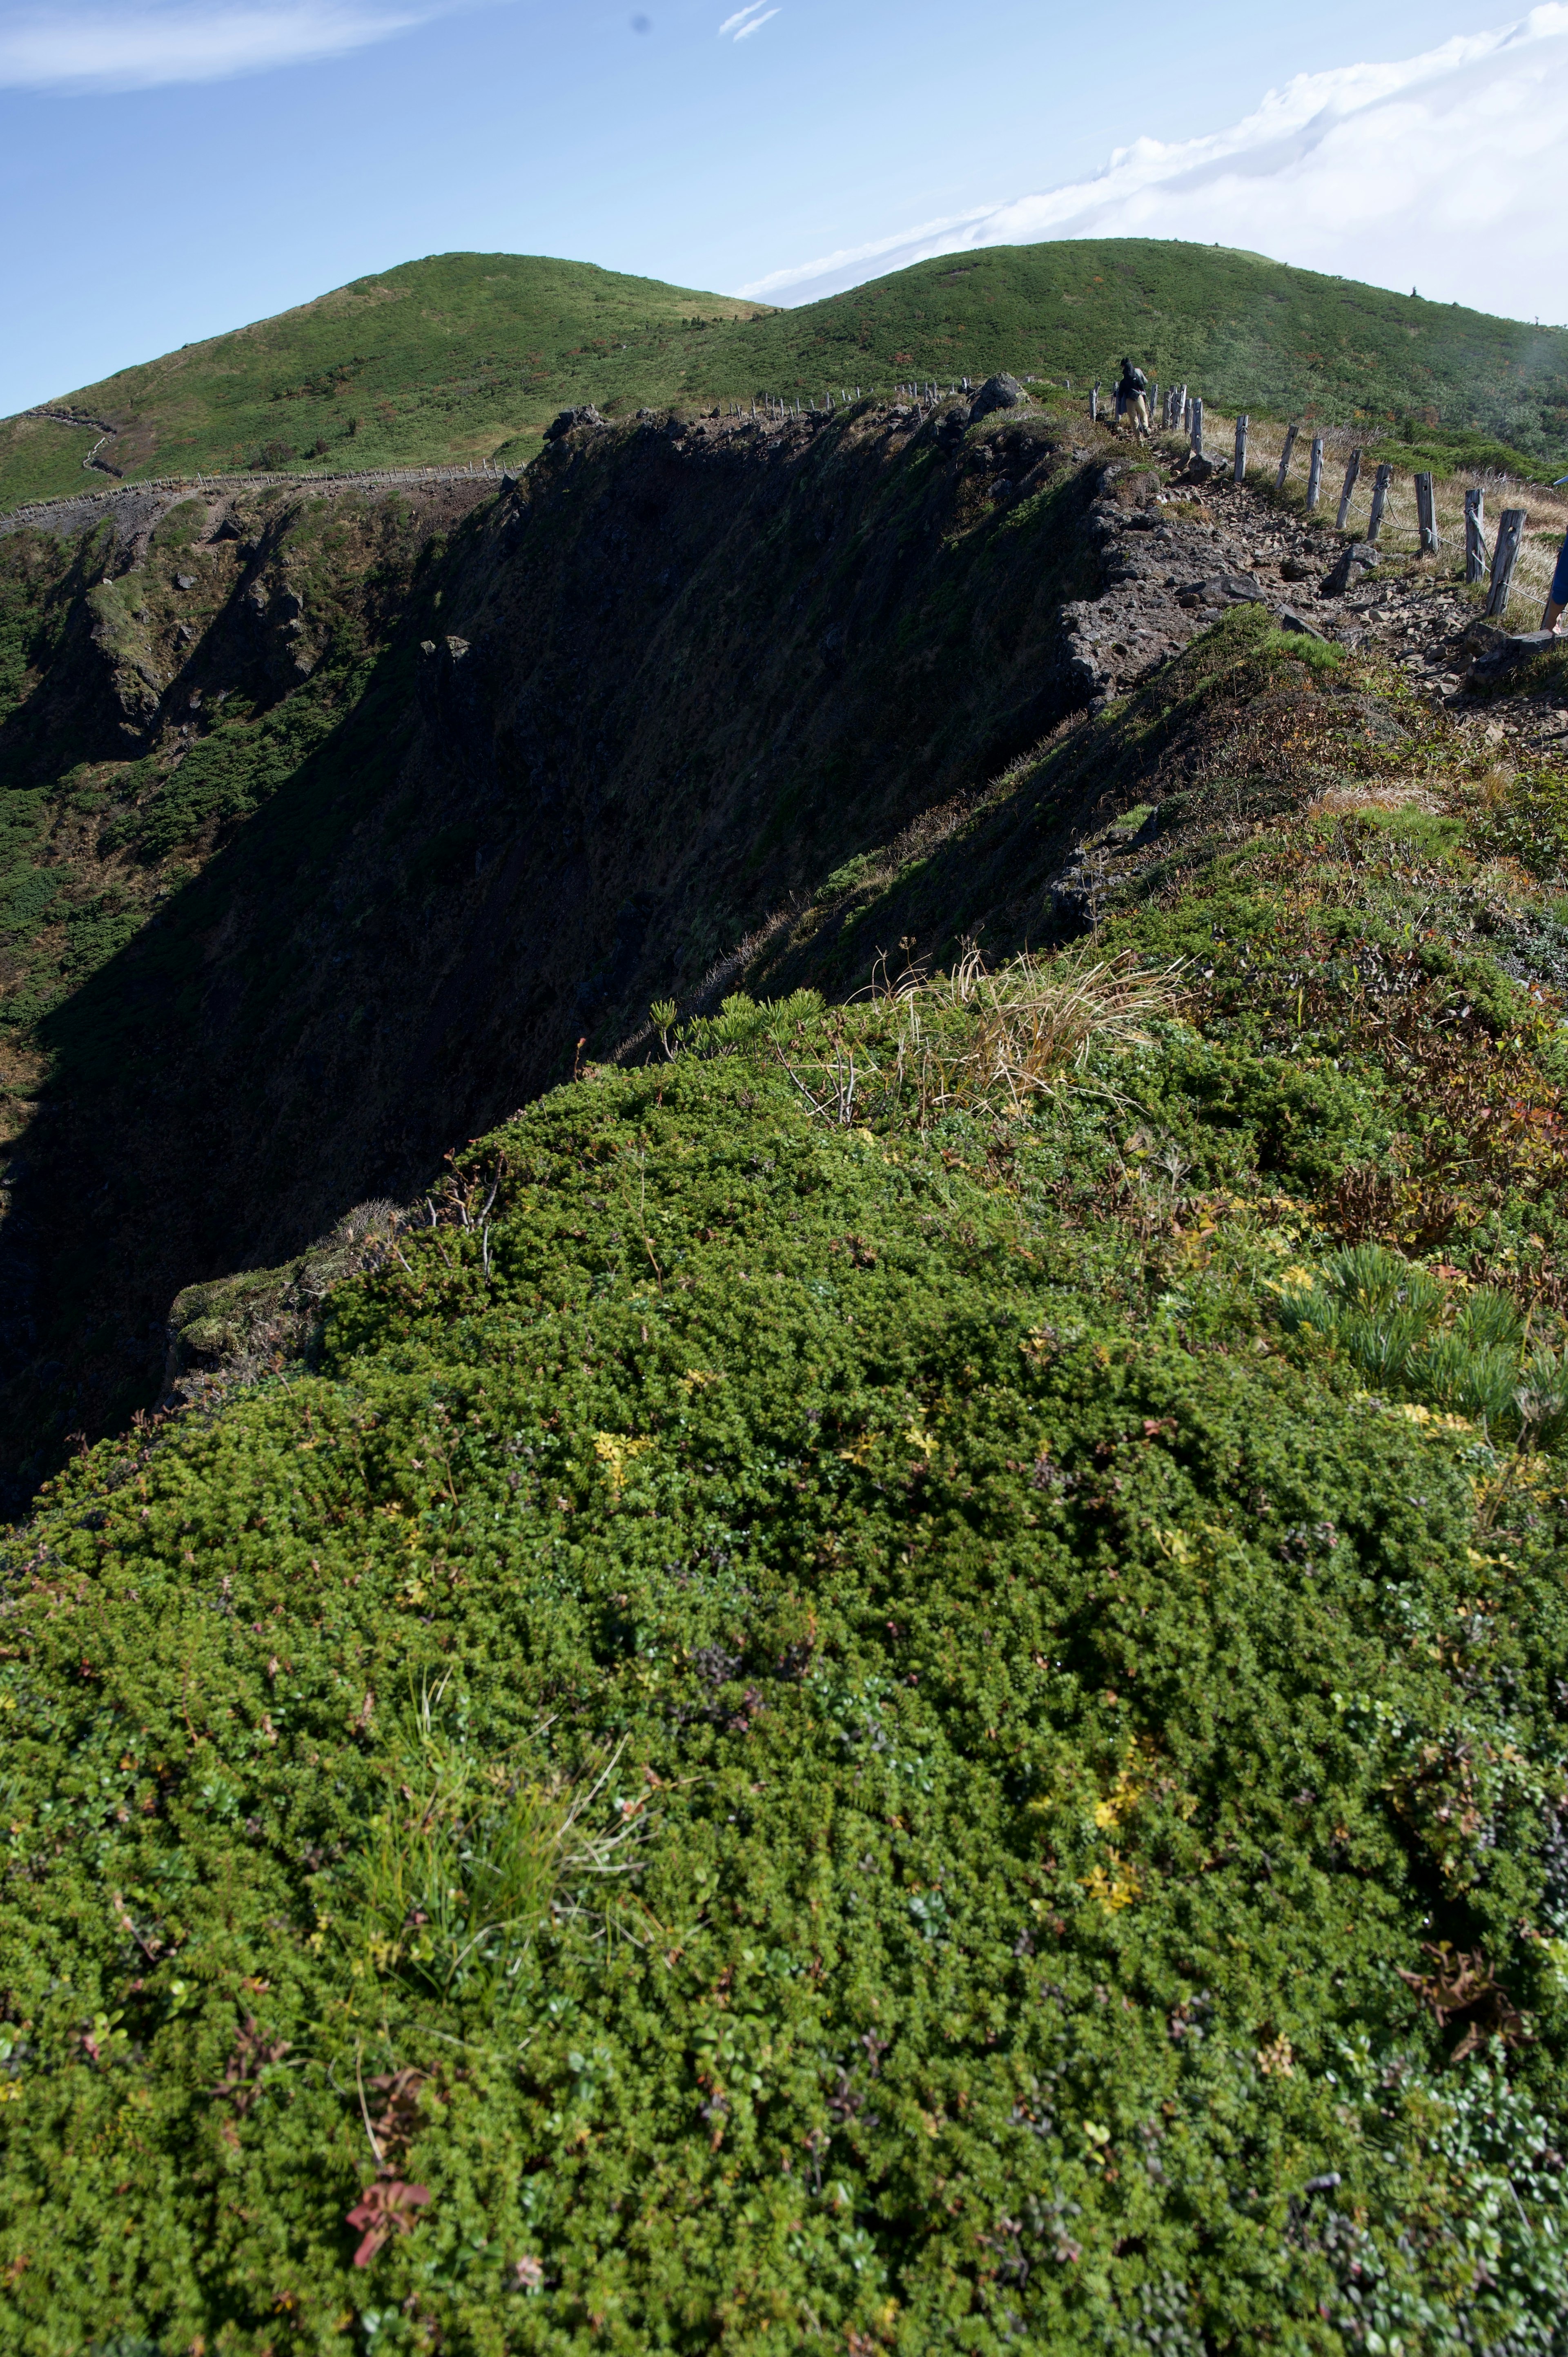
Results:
<point x="616" y="721"/>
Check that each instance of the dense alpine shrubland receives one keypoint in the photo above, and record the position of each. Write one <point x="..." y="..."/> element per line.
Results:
<point x="846" y="1705"/>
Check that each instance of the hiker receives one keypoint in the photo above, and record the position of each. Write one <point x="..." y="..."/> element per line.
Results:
<point x="1558" y="596"/>
<point x="1133" y="395"/>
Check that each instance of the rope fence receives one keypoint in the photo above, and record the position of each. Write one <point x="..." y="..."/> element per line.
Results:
<point x="1182" y="412"/>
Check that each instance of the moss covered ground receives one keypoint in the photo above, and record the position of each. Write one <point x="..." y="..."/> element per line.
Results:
<point x="462" y="356"/>
<point x="897" y="1681"/>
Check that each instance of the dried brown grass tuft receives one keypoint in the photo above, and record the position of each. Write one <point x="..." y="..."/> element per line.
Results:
<point x="1398" y="794"/>
<point x="1008" y="1037"/>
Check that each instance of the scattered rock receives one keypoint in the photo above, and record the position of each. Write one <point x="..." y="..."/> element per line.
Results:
<point x="1203" y="470"/>
<point x="1222" y="590"/>
<point x="996" y="393"/>
<point x="584" y="415"/>
<point x="185" y="580"/>
<point x="1136" y="491"/>
<point x="1495" y="651"/>
<point x="1296" y="568"/>
<point x="1289" y="620"/>
<point x="1355" y="562"/>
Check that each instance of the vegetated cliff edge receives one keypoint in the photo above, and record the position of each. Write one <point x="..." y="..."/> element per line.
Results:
<point x="336" y="823"/>
<point x="919" y="1720"/>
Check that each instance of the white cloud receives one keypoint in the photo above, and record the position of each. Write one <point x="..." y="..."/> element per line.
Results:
<point x="746" y="20"/>
<point x="1445" y="171"/>
<point x="140" y="46"/>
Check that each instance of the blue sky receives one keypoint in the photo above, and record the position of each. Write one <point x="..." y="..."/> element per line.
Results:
<point x="169" y="169"/>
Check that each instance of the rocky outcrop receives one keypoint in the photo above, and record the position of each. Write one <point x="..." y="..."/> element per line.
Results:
<point x="240" y="1328"/>
<point x="587" y="415"/>
<point x="1353" y="564"/>
<point x="997" y="393"/>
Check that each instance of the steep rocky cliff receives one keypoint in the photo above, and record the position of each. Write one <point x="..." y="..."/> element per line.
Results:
<point x="356" y="817"/>
<point x="338" y="826"/>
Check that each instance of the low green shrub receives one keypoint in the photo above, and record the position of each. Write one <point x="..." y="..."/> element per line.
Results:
<point x="1404" y="1329"/>
<point x="807" y="1730"/>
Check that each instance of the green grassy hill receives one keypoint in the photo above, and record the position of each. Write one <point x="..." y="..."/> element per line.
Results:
<point x="439" y="360"/>
<point x="464" y="355"/>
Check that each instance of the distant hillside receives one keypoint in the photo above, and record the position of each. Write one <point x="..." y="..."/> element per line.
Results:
<point x="464" y="355"/>
<point x="437" y="359"/>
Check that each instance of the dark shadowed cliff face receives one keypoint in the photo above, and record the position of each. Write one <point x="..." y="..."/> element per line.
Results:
<point x="353" y="817"/>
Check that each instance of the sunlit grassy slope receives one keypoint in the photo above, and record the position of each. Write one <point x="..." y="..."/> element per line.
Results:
<point x="462" y="355"/>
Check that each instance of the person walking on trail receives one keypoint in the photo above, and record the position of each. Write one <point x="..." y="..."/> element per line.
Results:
<point x="1558" y="598"/>
<point x="1132" y="396"/>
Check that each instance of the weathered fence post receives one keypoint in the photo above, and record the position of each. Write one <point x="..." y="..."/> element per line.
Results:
<point x="1242" y="425"/>
<point x="1505" y="556"/>
<point x="1426" y="515"/>
<point x="1351" y="472"/>
<point x="1291" y="433"/>
<point x="1314" y="474"/>
<point x="1197" y="425"/>
<point x="1154" y="400"/>
<point x="1475" y="533"/>
<point x="1094" y="402"/>
<point x="1385" y="476"/>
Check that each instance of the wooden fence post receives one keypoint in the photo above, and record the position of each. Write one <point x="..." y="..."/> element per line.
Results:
<point x="1475" y="533"/>
<point x="1242" y="425"/>
<point x="1314" y="474"/>
<point x="1426" y="515"/>
<point x="1505" y="556"/>
<point x="1291" y="433"/>
<point x="1154" y="400"/>
<point x="1094" y="402"/>
<point x="1385" y="476"/>
<point x="1197" y="425"/>
<point x="1351" y="472"/>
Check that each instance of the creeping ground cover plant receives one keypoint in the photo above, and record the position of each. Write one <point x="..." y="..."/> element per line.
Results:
<point x="861" y="1699"/>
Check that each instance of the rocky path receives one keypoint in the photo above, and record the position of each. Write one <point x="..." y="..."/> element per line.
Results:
<point x="129" y="506"/>
<point x="1175" y="554"/>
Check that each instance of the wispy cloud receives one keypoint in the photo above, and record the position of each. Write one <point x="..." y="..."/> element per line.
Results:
<point x="747" y="20"/>
<point x="135" y="46"/>
<point x="1441" y="171"/>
